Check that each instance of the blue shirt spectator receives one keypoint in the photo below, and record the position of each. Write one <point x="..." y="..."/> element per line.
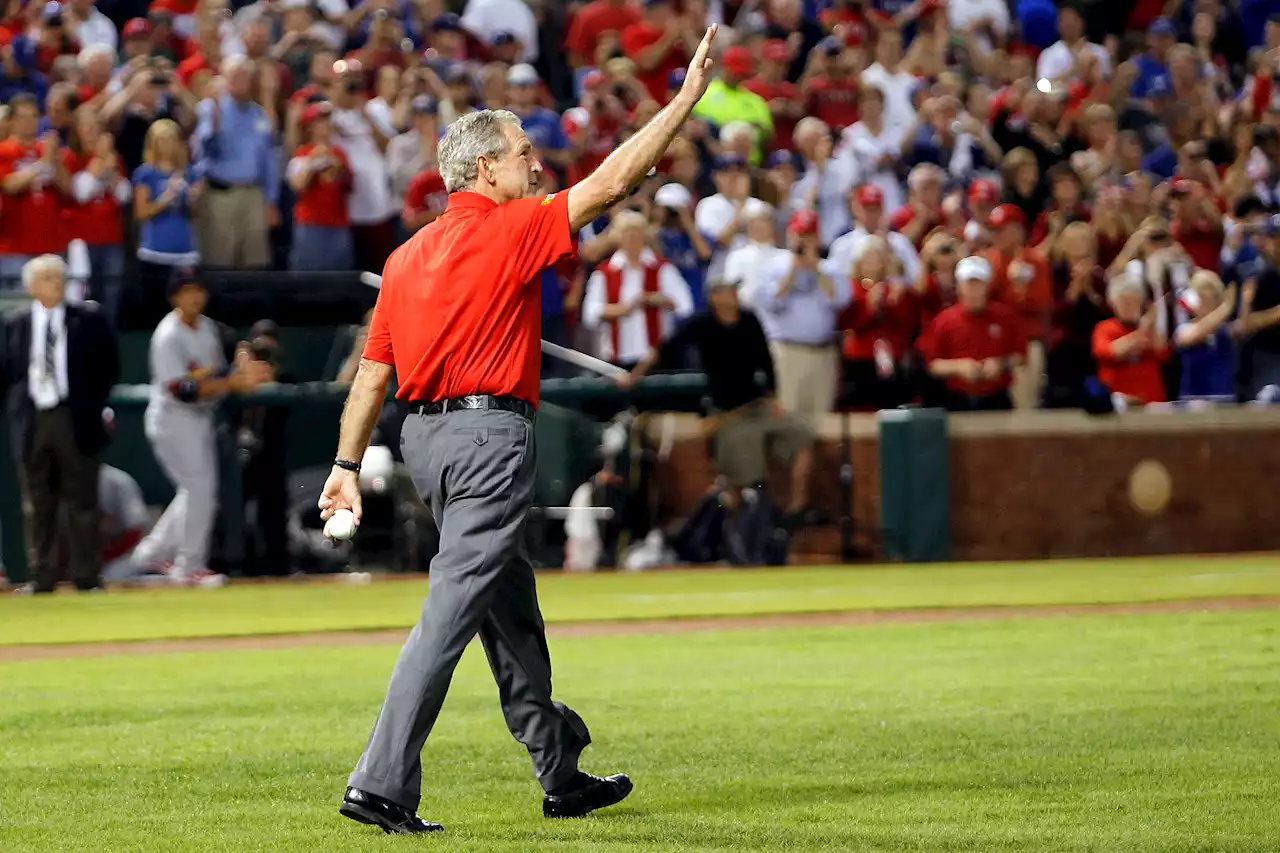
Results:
<point x="1208" y="368"/>
<point x="234" y="146"/>
<point x="1162" y="161"/>
<point x="166" y="237"/>
<point x="677" y="247"/>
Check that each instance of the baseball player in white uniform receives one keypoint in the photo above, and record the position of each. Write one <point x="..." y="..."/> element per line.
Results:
<point x="189" y="374"/>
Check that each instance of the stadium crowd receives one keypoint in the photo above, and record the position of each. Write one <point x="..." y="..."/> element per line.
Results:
<point x="964" y="203"/>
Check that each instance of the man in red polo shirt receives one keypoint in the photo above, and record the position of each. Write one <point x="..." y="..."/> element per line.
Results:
<point x="458" y="321"/>
<point x="36" y="184"/>
<point x="975" y="345"/>
<point x="1196" y="222"/>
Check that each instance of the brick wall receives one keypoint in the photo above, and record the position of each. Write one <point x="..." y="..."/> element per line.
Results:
<point x="1045" y="484"/>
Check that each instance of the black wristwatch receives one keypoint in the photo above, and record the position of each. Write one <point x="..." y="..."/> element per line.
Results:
<point x="347" y="465"/>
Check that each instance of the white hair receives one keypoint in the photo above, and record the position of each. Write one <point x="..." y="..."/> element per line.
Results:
<point x="1122" y="284"/>
<point x="470" y="137"/>
<point x="736" y="130"/>
<point x="811" y="124"/>
<point x="92" y="52"/>
<point x="42" y="265"/>
<point x="628" y="219"/>
<point x="231" y="63"/>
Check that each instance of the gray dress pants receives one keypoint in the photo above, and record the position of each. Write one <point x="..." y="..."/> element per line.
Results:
<point x="475" y="469"/>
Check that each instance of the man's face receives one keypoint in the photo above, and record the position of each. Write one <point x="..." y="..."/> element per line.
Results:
<point x="723" y="299"/>
<point x="760" y="229"/>
<point x="868" y="215"/>
<point x="889" y="47"/>
<point x="1009" y="237"/>
<point x="929" y="193"/>
<point x="240" y="82"/>
<point x="97" y="72"/>
<point x="1128" y="307"/>
<point x="191" y="299"/>
<point x="257" y="38"/>
<point x="972" y="293"/>
<point x="48" y="288"/>
<point x="1070" y="25"/>
<point x="733" y="183"/>
<point x="522" y="96"/>
<point x="516" y="173"/>
<point x="631" y="240"/>
<point x="320" y="71"/>
<point x="26" y="118"/>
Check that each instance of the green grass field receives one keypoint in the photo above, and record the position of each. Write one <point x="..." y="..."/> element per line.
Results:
<point x="1143" y="733"/>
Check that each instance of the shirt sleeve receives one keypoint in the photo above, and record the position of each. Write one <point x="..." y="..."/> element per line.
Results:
<point x="676" y="289"/>
<point x="593" y="301"/>
<point x="377" y="346"/>
<point x="536" y="232"/>
<point x="167" y="364"/>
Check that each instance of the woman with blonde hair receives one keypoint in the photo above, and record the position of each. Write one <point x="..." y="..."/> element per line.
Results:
<point x="1204" y="342"/>
<point x="165" y="190"/>
<point x="876" y="331"/>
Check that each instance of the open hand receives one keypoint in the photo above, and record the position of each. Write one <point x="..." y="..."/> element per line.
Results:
<point x="699" y="74"/>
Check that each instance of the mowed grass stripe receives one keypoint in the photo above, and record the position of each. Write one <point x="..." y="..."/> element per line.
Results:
<point x="1151" y="733"/>
<point x="264" y="609"/>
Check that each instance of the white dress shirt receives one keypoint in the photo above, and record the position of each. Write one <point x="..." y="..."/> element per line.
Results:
<point x="865" y="149"/>
<point x="805" y="314"/>
<point x="712" y="215"/>
<point x="747" y="265"/>
<point x="97" y="29"/>
<point x="834" y="180"/>
<point x="633" y="331"/>
<point x="48" y="391"/>
<point x="370" y="201"/>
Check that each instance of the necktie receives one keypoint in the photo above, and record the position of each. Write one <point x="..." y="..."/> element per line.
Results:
<point x="50" y="345"/>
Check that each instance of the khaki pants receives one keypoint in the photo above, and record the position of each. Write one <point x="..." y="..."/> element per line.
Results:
<point x="233" y="228"/>
<point x="1029" y="379"/>
<point x="806" y="378"/>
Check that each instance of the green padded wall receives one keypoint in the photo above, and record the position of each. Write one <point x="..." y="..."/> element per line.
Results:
<point x="915" y="491"/>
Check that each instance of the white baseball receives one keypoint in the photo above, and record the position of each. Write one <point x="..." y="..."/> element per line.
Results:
<point x="341" y="525"/>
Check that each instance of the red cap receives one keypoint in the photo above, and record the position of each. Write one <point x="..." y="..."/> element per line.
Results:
<point x="163" y="7"/>
<point x="592" y="80"/>
<point x="1182" y="186"/>
<point x="136" y="27"/>
<point x="320" y="109"/>
<point x="776" y="50"/>
<point x="1006" y="214"/>
<point x="854" y="35"/>
<point x="803" y="221"/>
<point x="983" y="191"/>
<point x="869" y="195"/>
<point x="738" y="60"/>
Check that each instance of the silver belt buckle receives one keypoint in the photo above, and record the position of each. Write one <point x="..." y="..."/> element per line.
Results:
<point x="475" y="401"/>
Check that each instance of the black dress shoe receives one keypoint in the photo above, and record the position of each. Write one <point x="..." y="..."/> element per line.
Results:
<point x="586" y="795"/>
<point x="390" y="817"/>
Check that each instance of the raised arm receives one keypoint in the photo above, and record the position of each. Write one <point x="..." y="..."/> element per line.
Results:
<point x="632" y="160"/>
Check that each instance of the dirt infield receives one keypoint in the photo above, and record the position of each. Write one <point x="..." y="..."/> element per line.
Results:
<point x="9" y="654"/>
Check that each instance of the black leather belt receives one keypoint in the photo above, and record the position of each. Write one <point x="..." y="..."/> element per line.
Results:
<point x="475" y="402"/>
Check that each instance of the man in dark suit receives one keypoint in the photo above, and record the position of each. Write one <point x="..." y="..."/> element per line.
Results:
<point x="57" y="366"/>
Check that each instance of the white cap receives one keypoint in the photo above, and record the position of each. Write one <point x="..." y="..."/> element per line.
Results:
<point x="522" y="75"/>
<point x="973" y="267"/>
<point x="672" y="195"/>
<point x="754" y="207"/>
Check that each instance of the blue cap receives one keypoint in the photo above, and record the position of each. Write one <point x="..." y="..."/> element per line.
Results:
<point x="1162" y="27"/>
<point x="729" y="161"/>
<point x="456" y="73"/>
<point x="423" y="105"/>
<point x="180" y="277"/>
<point x="502" y="39"/>
<point x="676" y="78"/>
<point x="781" y="157"/>
<point x="448" y="22"/>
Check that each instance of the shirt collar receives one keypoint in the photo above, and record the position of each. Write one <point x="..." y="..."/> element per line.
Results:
<point x="619" y="259"/>
<point x="42" y="313"/>
<point x="467" y="200"/>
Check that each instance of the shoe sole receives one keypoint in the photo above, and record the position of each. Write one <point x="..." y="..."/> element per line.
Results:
<point x="623" y="792"/>
<point x="362" y="815"/>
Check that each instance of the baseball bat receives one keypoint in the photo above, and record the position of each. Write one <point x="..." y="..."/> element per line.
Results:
<point x="573" y="356"/>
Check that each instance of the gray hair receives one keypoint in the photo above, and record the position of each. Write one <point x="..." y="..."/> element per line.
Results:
<point x="234" y="63"/>
<point x="92" y="52"/>
<point x="735" y="130"/>
<point x="42" y="265"/>
<point x="470" y="137"/>
<point x="1122" y="284"/>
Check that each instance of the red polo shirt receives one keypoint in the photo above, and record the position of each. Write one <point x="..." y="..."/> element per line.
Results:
<point x="324" y="201"/>
<point x="460" y="308"/>
<point x="957" y="332"/>
<point x="31" y="222"/>
<point x="1203" y="242"/>
<point x="1139" y="375"/>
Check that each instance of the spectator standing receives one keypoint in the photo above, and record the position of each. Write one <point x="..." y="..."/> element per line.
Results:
<point x="188" y="375"/>
<point x="874" y="148"/>
<point x="830" y="84"/>
<point x="1260" y="314"/>
<point x="1020" y="281"/>
<point x="88" y="26"/>
<point x="594" y="20"/>
<point x="783" y="97"/>
<point x="1196" y="222"/>
<point x="1204" y="342"/>
<point x="877" y="329"/>
<point x="897" y="84"/>
<point x="165" y="191"/>
<point x="662" y="41"/>
<point x="410" y="153"/>
<point x="1058" y="60"/>
<point x="364" y="134"/>
<point x="826" y="183"/>
<point x="678" y="239"/>
<point x="99" y="189"/>
<point x="923" y="211"/>
<point x="975" y="345"/>
<point x="36" y="185"/>
<point x="237" y="158"/>
<point x="59" y="364"/>
<point x="748" y="427"/>
<point x="803" y="302"/>
<point x="635" y="298"/>
<point x="544" y="127"/>
<point x="868" y="204"/>
<point x="1079" y="304"/>
<point x="747" y="265"/>
<point x="1129" y="347"/>
<point x="728" y="100"/>
<point x="720" y="217"/>
<point x="320" y="176"/>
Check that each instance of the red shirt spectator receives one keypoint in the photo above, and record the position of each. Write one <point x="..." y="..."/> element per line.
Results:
<point x="1134" y="374"/>
<point x="324" y="201"/>
<point x="446" y="347"/>
<point x="424" y="200"/>
<point x="1021" y="277"/>
<point x="96" y="219"/>
<point x="639" y="41"/>
<point x="880" y="313"/>
<point x="785" y="100"/>
<point x="595" y="128"/>
<point x="31" y="221"/>
<point x="961" y="333"/>
<point x="594" y="20"/>
<point x="1196" y="223"/>
<point x="834" y="100"/>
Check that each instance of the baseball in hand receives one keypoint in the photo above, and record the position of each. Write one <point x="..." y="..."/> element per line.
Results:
<point x="341" y="525"/>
